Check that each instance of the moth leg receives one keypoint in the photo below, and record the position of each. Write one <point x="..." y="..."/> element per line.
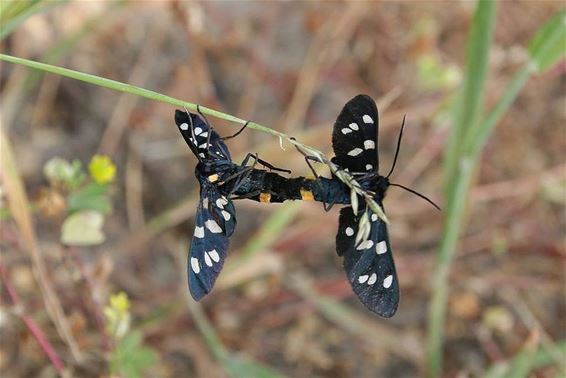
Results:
<point x="270" y="166"/>
<point x="237" y="133"/>
<point x="308" y="159"/>
<point x="245" y="168"/>
<point x="247" y="195"/>
<point x="262" y="162"/>
<point x="209" y="130"/>
<point x="243" y="173"/>
<point x="325" y="205"/>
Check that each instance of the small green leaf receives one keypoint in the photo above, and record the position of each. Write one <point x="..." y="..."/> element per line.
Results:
<point x="83" y="228"/>
<point x="92" y="197"/>
<point x="130" y="357"/>
<point x="548" y="46"/>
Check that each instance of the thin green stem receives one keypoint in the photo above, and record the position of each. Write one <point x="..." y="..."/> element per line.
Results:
<point x="455" y="212"/>
<point x="470" y="100"/>
<point x="127" y="88"/>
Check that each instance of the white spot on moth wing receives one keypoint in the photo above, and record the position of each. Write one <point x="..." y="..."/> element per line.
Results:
<point x="387" y="281"/>
<point x="207" y="259"/>
<point x="355" y="152"/>
<point x="198" y="130"/>
<point x="201" y="155"/>
<point x="372" y="279"/>
<point x="369" y="167"/>
<point x="184" y="126"/>
<point x="195" y="266"/>
<point x="226" y="215"/>
<point x="203" y="146"/>
<point x="365" y="245"/>
<point x="346" y="130"/>
<point x="220" y="202"/>
<point x="204" y="135"/>
<point x="349" y="231"/>
<point x="354" y="126"/>
<point x="214" y="255"/>
<point x="362" y="279"/>
<point x="369" y="144"/>
<point x="213" y="226"/>
<point x="205" y="203"/>
<point x="381" y="247"/>
<point x="374" y="217"/>
<point x="211" y="257"/>
<point x="367" y="119"/>
<point x="199" y="232"/>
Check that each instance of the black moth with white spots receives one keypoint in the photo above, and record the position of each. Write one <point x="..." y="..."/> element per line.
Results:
<point x="215" y="218"/>
<point x="368" y="263"/>
<point x="221" y="181"/>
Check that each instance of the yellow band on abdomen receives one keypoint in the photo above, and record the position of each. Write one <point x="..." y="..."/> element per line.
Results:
<point x="265" y="197"/>
<point x="307" y="195"/>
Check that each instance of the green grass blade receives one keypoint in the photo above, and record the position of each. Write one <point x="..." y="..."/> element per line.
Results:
<point x="549" y="44"/>
<point x="470" y="99"/>
<point x="107" y="83"/>
<point x="546" y="48"/>
<point x="545" y="51"/>
<point x="146" y="93"/>
<point x="14" y="13"/>
<point x="459" y="173"/>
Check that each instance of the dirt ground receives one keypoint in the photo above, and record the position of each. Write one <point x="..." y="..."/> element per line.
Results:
<point x="282" y="299"/>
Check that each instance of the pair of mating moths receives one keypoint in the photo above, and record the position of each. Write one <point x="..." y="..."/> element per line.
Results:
<point x="368" y="263"/>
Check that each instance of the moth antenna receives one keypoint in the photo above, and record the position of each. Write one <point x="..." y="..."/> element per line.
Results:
<point x="418" y="194"/>
<point x="398" y="147"/>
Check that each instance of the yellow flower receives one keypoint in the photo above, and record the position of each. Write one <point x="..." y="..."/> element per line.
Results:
<point x="117" y="315"/>
<point x="120" y="302"/>
<point x="101" y="169"/>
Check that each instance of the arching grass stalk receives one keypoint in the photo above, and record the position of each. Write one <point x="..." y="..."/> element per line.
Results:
<point x="472" y="130"/>
<point x="127" y="88"/>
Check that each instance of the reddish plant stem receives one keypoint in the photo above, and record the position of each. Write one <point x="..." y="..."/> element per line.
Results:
<point x="35" y="330"/>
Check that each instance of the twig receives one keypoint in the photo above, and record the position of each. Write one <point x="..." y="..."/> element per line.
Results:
<point x="19" y="206"/>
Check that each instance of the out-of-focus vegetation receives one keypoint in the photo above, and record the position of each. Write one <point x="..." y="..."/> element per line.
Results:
<point x="483" y="82"/>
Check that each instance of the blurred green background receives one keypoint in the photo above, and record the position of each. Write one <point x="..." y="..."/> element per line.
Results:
<point x="98" y="194"/>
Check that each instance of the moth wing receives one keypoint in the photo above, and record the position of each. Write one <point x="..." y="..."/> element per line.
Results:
<point x="223" y="211"/>
<point x="369" y="265"/>
<point x="209" y="245"/>
<point x="354" y="137"/>
<point x="202" y="140"/>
